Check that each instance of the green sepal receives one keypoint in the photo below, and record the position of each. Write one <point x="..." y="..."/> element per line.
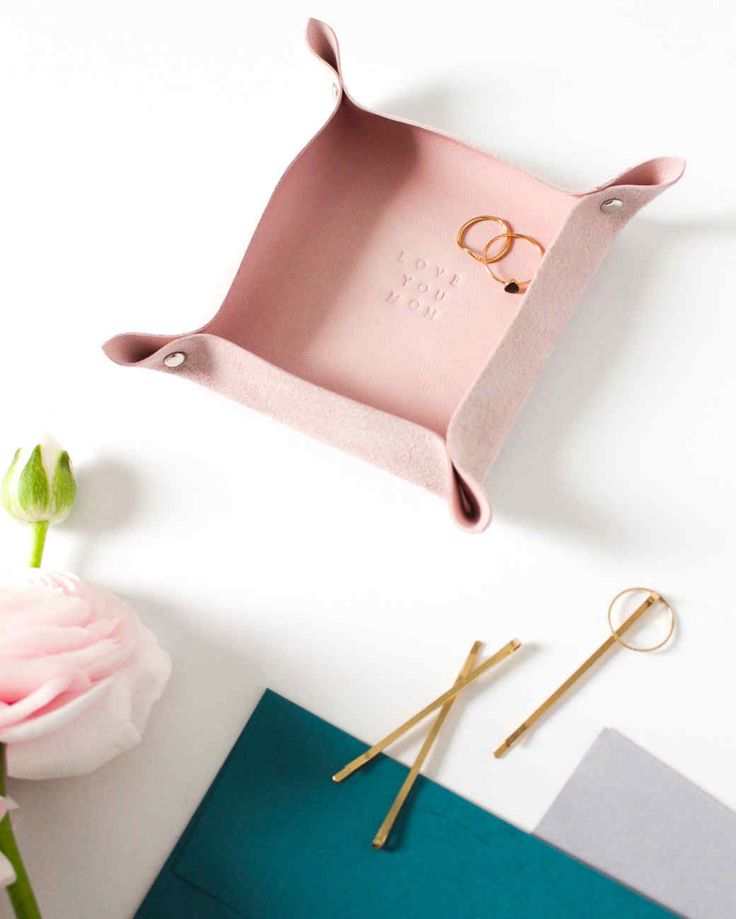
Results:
<point x="64" y="487"/>
<point x="33" y="486"/>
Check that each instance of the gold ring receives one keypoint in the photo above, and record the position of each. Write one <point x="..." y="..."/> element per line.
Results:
<point x="511" y="286"/>
<point x="659" y="596"/>
<point x="471" y="223"/>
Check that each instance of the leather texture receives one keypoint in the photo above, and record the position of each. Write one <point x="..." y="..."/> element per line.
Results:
<point x="380" y="336"/>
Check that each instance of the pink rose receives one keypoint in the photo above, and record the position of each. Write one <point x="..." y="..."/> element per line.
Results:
<point x="79" y="675"/>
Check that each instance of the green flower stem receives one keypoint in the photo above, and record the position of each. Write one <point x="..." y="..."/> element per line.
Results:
<point x="21" y="893"/>
<point x="40" y="529"/>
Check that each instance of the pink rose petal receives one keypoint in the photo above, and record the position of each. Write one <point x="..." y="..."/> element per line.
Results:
<point x="26" y="707"/>
<point x="79" y="675"/>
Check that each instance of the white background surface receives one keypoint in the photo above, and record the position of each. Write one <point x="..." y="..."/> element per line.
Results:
<point x="140" y="144"/>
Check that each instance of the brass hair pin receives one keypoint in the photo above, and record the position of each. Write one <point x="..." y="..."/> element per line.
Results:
<point x="384" y="830"/>
<point x="653" y="598"/>
<point x="468" y="675"/>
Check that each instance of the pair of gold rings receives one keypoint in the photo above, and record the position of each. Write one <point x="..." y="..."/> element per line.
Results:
<point x="510" y="285"/>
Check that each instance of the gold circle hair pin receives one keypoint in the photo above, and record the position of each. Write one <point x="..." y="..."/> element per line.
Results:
<point x="652" y="599"/>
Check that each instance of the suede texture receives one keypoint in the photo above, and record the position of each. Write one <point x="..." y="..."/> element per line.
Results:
<point x="380" y="336"/>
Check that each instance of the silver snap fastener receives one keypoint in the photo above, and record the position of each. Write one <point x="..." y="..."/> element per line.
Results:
<point x="335" y="90"/>
<point x="175" y="359"/>
<point x="612" y="205"/>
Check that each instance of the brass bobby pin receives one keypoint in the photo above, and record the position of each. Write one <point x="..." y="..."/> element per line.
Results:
<point x="459" y="686"/>
<point x="613" y="639"/>
<point x="383" y="833"/>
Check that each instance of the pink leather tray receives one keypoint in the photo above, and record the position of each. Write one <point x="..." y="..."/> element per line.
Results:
<point x="379" y="335"/>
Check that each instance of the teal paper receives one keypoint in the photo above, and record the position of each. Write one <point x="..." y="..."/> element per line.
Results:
<point x="275" y="838"/>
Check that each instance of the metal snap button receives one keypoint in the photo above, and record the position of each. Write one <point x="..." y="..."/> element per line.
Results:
<point x="612" y="205"/>
<point x="175" y="359"/>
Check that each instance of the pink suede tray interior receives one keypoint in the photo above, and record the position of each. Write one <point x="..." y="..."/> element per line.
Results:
<point x="376" y="300"/>
<point x="378" y="306"/>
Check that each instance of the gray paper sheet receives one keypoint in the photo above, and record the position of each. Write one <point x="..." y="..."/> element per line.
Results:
<point x="631" y="816"/>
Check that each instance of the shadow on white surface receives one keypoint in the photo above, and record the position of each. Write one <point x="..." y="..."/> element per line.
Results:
<point x="109" y="495"/>
<point x="530" y="480"/>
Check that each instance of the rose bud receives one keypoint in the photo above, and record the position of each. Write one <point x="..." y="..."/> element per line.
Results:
<point x="39" y="488"/>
